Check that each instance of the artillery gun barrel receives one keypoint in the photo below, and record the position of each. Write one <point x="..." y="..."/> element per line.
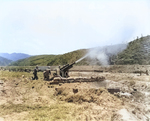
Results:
<point x="67" y="67"/>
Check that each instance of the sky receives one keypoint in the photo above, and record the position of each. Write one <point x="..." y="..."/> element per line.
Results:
<point x="39" y="27"/>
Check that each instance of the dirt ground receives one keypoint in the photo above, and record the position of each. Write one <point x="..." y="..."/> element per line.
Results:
<point x="24" y="99"/>
<point x="134" y="94"/>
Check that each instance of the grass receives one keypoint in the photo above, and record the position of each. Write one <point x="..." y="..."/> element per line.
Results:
<point x="40" y="103"/>
<point x="41" y="113"/>
<point x="12" y="75"/>
<point x="49" y="109"/>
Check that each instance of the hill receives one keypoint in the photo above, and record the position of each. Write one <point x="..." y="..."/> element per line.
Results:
<point x="94" y="56"/>
<point x="14" y="56"/>
<point x="137" y="52"/>
<point x="4" y="61"/>
<point x="43" y="60"/>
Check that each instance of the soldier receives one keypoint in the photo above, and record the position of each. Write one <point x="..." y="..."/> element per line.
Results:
<point x="59" y="71"/>
<point x="25" y="70"/>
<point x="46" y="73"/>
<point x="35" y="73"/>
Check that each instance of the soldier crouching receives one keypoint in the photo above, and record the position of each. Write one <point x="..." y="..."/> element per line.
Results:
<point x="46" y="74"/>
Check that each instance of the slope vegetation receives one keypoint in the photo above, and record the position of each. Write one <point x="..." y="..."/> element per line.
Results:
<point x="44" y="60"/>
<point x="137" y="52"/>
<point x="4" y="61"/>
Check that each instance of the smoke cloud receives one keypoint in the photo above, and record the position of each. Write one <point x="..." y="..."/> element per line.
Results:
<point x="102" y="55"/>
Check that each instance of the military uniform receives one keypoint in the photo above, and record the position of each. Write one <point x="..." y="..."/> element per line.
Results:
<point x="46" y="74"/>
<point x="35" y="73"/>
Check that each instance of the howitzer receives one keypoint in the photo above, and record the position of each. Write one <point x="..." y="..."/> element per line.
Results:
<point x="65" y="70"/>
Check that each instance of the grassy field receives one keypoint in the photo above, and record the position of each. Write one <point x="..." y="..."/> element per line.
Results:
<point x="24" y="99"/>
<point x="31" y="100"/>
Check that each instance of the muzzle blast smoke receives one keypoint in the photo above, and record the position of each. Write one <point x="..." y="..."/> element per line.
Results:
<point x="81" y="58"/>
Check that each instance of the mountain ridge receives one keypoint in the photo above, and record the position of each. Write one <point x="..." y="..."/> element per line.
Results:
<point x="135" y="52"/>
<point x="4" y="61"/>
<point x="14" y="56"/>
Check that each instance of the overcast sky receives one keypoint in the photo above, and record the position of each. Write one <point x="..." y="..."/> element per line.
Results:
<point x="59" y="26"/>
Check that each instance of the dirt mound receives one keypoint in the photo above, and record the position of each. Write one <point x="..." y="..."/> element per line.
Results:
<point x="98" y="104"/>
<point x="98" y="96"/>
<point x="88" y="96"/>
